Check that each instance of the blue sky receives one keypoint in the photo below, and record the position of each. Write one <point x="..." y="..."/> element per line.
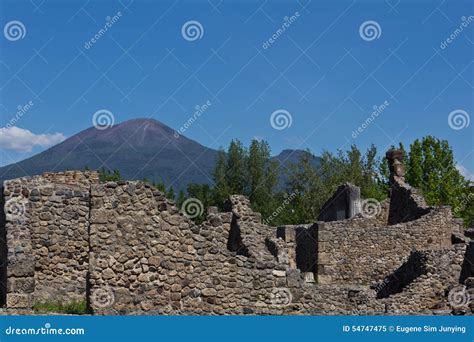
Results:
<point x="323" y="71"/>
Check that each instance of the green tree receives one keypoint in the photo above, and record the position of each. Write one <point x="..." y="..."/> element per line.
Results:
<point x="221" y="190"/>
<point x="105" y="175"/>
<point x="414" y="172"/>
<point x="305" y="184"/>
<point x="169" y="193"/>
<point x="236" y="168"/>
<point x="262" y="177"/>
<point x="432" y="169"/>
<point x="181" y="198"/>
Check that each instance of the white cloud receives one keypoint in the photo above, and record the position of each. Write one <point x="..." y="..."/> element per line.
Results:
<point x="23" y="140"/>
<point x="465" y="172"/>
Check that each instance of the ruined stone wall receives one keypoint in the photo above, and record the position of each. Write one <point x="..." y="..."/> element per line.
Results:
<point x="406" y="203"/>
<point x="126" y="249"/>
<point x="344" y="204"/>
<point x="47" y="243"/>
<point x="145" y="258"/>
<point x="351" y="251"/>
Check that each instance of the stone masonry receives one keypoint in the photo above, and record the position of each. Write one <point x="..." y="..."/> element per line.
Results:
<point x="123" y="248"/>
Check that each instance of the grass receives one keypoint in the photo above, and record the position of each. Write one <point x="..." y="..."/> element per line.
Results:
<point x="72" y="308"/>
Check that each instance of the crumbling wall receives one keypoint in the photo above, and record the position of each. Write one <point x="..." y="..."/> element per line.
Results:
<point x="344" y="204"/>
<point x="126" y="249"/>
<point x="3" y="251"/>
<point x="406" y="203"/>
<point x="350" y="251"/>
<point x="147" y="258"/>
<point x="429" y="292"/>
<point x="47" y="237"/>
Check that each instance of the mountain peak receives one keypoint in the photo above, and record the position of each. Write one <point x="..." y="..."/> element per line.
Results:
<point x="135" y="132"/>
<point x="138" y="148"/>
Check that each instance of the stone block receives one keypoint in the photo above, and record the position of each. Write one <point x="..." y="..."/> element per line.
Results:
<point x="21" y="285"/>
<point x="21" y="268"/>
<point x="277" y="273"/>
<point x="324" y="279"/>
<point x="19" y="300"/>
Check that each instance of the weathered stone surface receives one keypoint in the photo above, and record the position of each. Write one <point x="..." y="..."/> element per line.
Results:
<point x="141" y="256"/>
<point x="17" y="300"/>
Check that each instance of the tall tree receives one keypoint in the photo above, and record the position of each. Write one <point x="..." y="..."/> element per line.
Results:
<point x="414" y="172"/>
<point x="221" y="190"/>
<point x="262" y="177"/>
<point x="432" y="168"/>
<point x="236" y="168"/>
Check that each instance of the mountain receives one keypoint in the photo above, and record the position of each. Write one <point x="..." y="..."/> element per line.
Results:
<point x="288" y="157"/>
<point x="138" y="148"/>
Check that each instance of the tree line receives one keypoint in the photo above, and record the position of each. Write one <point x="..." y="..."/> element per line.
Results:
<point x="293" y="193"/>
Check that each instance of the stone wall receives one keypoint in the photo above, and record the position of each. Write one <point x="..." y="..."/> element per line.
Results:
<point x="47" y="237"/>
<point x="344" y="204"/>
<point x="351" y="251"/>
<point x="125" y="249"/>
